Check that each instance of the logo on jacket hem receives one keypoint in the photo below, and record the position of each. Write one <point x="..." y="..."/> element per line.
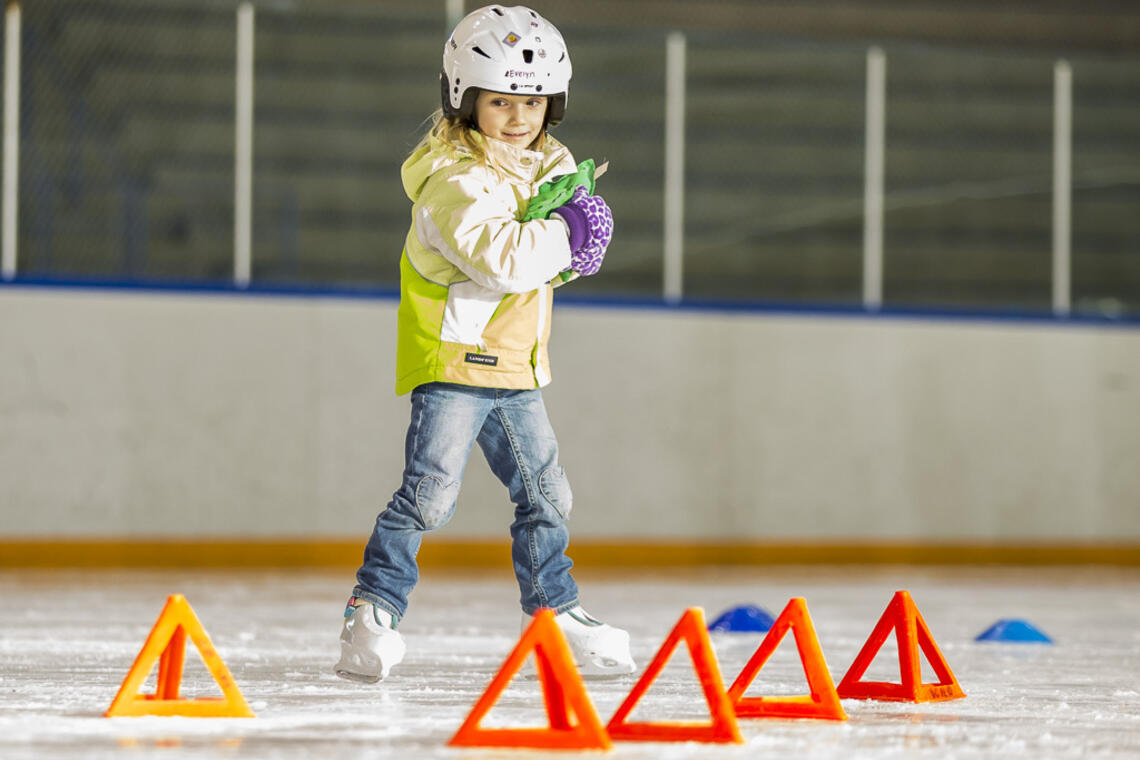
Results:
<point x="484" y="359"/>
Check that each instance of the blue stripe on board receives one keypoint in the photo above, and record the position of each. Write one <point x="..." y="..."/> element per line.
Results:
<point x="645" y="303"/>
<point x="206" y="287"/>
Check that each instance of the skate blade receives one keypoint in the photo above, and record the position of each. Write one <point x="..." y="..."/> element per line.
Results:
<point x="604" y="672"/>
<point x="589" y="673"/>
<point x="348" y="675"/>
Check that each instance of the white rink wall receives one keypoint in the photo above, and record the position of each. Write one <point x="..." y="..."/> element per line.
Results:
<point x="141" y="413"/>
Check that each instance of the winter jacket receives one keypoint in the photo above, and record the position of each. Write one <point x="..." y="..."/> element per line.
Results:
<point x="475" y="291"/>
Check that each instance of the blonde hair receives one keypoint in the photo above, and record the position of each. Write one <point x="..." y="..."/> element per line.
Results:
<point x="455" y="132"/>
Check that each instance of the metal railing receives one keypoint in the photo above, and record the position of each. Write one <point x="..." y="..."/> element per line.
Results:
<point x="749" y="203"/>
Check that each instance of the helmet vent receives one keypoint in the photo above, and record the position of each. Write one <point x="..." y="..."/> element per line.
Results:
<point x="479" y="50"/>
<point x="528" y="55"/>
<point x="497" y="10"/>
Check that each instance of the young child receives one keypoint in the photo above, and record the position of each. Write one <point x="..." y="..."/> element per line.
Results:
<point x="474" y="320"/>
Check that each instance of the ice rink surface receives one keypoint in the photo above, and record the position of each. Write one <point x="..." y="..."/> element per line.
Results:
<point x="68" y="639"/>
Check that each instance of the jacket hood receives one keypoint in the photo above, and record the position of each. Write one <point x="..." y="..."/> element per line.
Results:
<point x="520" y="164"/>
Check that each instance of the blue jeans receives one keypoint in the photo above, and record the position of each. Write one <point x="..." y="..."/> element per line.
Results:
<point x="516" y="437"/>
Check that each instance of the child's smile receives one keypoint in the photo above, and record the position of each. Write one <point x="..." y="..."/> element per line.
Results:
<point x="514" y="119"/>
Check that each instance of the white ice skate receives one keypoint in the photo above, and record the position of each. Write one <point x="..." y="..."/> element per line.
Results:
<point x="369" y="646"/>
<point x="600" y="650"/>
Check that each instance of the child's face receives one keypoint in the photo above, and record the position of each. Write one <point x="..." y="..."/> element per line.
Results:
<point x="514" y="119"/>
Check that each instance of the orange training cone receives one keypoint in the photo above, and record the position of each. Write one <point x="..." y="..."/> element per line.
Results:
<point x="910" y="629"/>
<point x="166" y="644"/>
<point x="821" y="702"/>
<point x="562" y="690"/>
<point x="691" y="627"/>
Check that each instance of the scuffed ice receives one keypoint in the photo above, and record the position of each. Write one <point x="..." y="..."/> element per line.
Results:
<point x="67" y="640"/>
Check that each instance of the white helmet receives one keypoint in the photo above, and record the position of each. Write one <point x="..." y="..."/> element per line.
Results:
<point x="509" y="50"/>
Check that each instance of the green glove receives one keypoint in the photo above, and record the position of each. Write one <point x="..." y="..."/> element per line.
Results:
<point x="553" y="194"/>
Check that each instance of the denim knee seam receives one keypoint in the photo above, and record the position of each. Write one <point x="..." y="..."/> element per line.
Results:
<point x="555" y="488"/>
<point x="435" y="501"/>
<point x="512" y="438"/>
<point x="528" y="484"/>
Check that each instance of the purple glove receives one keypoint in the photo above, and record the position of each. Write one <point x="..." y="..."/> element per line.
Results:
<point x="591" y="227"/>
